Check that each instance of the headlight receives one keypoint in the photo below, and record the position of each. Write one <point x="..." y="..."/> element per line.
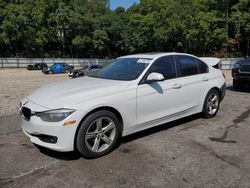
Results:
<point x="236" y="65"/>
<point x="54" y="115"/>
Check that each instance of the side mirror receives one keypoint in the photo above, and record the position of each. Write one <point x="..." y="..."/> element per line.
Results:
<point x="154" y="77"/>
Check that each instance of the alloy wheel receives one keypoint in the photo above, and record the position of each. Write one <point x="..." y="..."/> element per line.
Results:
<point x="100" y="134"/>
<point x="212" y="103"/>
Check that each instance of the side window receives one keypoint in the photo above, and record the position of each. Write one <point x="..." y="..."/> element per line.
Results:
<point x="94" y="67"/>
<point x="165" y="66"/>
<point x="203" y="68"/>
<point x="187" y="66"/>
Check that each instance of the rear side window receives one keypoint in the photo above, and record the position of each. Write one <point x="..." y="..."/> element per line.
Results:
<point x="203" y="68"/>
<point x="187" y="66"/>
<point x="166" y="66"/>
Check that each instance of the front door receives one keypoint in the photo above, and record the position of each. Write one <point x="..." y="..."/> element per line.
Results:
<point x="160" y="99"/>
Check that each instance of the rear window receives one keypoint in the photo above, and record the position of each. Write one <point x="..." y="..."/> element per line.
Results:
<point x="203" y="68"/>
<point x="187" y="66"/>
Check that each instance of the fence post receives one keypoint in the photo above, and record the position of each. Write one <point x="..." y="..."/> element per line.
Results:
<point x="2" y="62"/>
<point x="17" y="62"/>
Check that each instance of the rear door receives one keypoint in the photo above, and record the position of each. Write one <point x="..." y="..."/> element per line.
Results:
<point x="193" y="78"/>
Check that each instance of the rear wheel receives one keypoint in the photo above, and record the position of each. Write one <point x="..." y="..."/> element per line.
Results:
<point x="98" y="134"/>
<point x="211" y="104"/>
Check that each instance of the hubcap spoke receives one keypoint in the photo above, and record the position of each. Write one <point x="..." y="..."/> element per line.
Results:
<point x="214" y="98"/>
<point x="106" y="139"/>
<point x="109" y="127"/>
<point x="96" y="144"/>
<point x="90" y="135"/>
<point x="99" y="123"/>
<point x="210" y="109"/>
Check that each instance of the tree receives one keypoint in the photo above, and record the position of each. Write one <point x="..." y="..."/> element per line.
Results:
<point x="241" y="23"/>
<point x="89" y="28"/>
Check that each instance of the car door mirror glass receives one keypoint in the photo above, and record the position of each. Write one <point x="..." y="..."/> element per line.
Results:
<point x="154" y="77"/>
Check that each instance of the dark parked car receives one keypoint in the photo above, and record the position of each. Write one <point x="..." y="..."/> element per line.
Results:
<point x="58" y="68"/>
<point x="241" y="73"/>
<point x="37" y="66"/>
<point x="85" y="71"/>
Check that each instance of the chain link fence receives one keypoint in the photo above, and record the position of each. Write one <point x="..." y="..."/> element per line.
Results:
<point x="23" y="62"/>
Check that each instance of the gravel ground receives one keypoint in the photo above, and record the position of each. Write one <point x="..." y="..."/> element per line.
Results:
<point x="191" y="152"/>
<point x="18" y="83"/>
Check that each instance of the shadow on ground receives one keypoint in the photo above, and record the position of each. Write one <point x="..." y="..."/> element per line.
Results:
<point x="65" y="156"/>
<point x="159" y="128"/>
<point x="245" y="89"/>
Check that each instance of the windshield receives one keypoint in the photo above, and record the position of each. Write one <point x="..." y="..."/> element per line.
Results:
<point x="123" y="69"/>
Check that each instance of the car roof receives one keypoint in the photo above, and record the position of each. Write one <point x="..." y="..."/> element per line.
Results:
<point x="153" y="55"/>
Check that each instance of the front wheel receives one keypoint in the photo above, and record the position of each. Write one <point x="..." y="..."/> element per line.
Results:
<point x="98" y="134"/>
<point x="211" y="104"/>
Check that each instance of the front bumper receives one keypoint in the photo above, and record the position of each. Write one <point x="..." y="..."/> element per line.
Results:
<point x="52" y="135"/>
<point x="240" y="76"/>
<point x="243" y="78"/>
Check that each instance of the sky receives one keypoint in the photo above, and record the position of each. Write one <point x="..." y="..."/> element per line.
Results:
<point x="122" y="3"/>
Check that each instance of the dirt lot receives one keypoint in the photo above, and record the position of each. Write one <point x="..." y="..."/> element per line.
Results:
<point x="192" y="152"/>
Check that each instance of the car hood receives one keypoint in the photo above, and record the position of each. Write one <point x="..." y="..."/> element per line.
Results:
<point x="70" y="93"/>
<point x="245" y="61"/>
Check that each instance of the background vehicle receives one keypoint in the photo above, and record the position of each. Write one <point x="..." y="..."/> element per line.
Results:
<point x="85" y="71"/>
<point x="130" y="94"/>
<point x="37" y="66"/>
<point x="58" y="68"/>
<point x="241" y="73"/>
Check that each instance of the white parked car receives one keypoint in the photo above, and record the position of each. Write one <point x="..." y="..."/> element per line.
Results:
<point x="131" y="94"/>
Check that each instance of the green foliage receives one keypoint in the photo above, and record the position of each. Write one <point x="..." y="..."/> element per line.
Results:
<point x="88" y="28"/>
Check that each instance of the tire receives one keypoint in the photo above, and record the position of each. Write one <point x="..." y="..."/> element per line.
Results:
<point x="211" y="104"/>
<point x="92" y="139"/>
<point x="80" y="75"/>
<point x="237" y="85"/>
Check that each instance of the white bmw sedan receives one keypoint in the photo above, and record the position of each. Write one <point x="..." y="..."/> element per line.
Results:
<point x="131" y="94"/>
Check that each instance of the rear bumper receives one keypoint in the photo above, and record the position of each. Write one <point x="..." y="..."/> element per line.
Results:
<point x="223" y="91"/>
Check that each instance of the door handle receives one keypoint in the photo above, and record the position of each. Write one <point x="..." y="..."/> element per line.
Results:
<point x="205" y="78"/>
<point x="177" y="86"/>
